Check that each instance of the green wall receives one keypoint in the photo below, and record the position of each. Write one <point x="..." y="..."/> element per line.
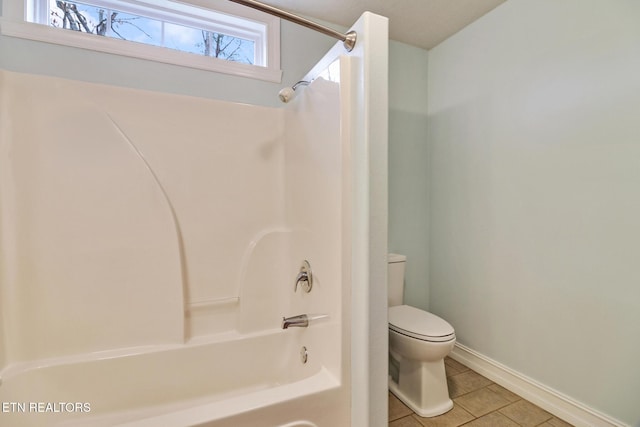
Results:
<point x="408" y="179"/>
<point x="534" y="155"/>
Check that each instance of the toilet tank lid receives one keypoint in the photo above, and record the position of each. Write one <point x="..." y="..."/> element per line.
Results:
<point x="396" y="258"/>
<point x="419" y="322"/>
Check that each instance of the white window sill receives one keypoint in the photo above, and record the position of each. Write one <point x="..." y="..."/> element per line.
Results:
<point x="43" y="33"/>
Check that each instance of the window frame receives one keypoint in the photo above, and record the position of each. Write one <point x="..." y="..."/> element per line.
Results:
<point x="231" y="19"/>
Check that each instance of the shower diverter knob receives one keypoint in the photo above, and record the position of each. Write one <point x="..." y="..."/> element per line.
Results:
<point x="305" y="277"/>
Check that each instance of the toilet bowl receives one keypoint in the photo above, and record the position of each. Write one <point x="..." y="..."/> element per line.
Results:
<point x="418" y="343"/>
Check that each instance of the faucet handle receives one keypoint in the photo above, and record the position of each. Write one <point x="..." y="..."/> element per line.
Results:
<point x="305" y="276"/>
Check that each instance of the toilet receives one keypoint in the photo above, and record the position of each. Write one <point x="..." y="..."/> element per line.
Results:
<point x="418" y="344"/>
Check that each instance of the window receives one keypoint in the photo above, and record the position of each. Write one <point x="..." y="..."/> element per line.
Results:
<point x="111" y="22"/>
<point x="160" y="30"/>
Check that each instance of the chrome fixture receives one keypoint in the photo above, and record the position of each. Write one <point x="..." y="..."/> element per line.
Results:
<point x="300" y="321"/>
<point x="304" y="355"/>
<point x="348" y="39"/>
<point x="288" y="93"/>
<point x="305" y="277"/>
<point x="300" y="83"/>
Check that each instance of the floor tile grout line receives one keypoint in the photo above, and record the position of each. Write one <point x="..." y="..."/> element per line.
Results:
<point x="495" y="410"/>
<point x="539" y="424"/>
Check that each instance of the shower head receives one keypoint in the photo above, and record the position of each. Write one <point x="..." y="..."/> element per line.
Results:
<point x="288" y="93"/>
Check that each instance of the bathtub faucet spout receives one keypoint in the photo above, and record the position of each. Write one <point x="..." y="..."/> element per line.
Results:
<point x="300" y="321"/>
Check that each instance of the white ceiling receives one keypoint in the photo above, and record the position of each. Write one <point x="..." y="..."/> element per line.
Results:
<point x="422" y="23"/>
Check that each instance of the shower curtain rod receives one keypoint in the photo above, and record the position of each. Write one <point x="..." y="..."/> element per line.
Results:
<point x="348" y="39"/>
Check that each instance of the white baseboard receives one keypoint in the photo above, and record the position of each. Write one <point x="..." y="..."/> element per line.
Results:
<point x="548" y="399"/>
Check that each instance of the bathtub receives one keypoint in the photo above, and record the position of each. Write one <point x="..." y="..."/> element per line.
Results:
<point x="221" y="381"/>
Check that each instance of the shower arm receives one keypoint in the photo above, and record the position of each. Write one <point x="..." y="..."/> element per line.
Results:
<point x="348" y="39"/>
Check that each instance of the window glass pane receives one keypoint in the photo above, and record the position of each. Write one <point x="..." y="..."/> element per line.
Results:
<point x="117" y="24"/>
<point x="231" y="48"/>
<point x="136" y="28"/>
<point x="183" y="38"/>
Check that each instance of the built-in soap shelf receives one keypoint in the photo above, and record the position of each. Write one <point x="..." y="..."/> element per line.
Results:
<point x="211" y="303"/>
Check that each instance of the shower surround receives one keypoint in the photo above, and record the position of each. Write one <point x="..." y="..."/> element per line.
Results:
<point x="150" y="244"/>
<point x="135" y="222"/>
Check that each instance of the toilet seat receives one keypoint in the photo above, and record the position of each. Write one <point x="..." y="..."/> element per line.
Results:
<point x="419" y="324"/>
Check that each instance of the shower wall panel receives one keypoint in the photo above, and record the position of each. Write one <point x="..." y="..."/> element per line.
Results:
<point x="316" y="171"/>
<point x="121" y="209"/>
<point x="314" y="178"/>
<point x="312" y="213"/>
<point x="89" y="247"/>
<point x="220" y="164"/>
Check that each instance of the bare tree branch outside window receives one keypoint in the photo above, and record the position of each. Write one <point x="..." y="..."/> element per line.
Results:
<point x="224" y="47"/>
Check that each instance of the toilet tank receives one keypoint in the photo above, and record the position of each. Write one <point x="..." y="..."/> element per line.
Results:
<point x="397" y="263"/>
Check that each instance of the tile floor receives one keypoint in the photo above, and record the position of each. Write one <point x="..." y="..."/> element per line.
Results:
<point x="477" y="402"/>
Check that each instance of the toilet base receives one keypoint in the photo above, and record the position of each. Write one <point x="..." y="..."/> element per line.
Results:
<point x="432" y="412"/>
<point x="422" y="386"/>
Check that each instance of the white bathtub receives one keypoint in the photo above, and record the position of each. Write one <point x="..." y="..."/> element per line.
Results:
<point x="234" y="380"/>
